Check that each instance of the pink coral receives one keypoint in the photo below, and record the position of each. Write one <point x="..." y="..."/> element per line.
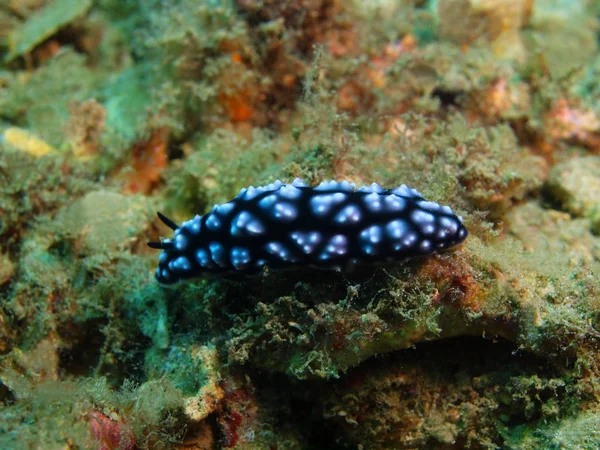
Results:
<point x="112" y="434"/>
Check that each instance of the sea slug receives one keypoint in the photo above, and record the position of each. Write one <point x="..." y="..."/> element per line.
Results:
<point x="332" y="225"/>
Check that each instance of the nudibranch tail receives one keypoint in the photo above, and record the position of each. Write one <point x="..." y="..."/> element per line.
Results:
<point x="332" y="225"/>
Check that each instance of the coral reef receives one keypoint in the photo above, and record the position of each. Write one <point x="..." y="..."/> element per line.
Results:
<point x="112" y="110"/>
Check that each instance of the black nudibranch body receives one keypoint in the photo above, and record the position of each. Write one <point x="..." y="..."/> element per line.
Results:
<point x="331" y="225"/>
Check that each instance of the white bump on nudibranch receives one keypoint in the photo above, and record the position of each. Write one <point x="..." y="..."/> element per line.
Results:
<point x="422" y="217"/>
<point x="336" y="246"/>
<point x="279" y="250"/>
<point x="371" y="235"/>
<point x="373" y="188"/>
<point x="298" y="183"/>
<point x="322" y="204"/>
<point x="203" y="258"/>
<point x="289" y="191"/>
<point x="405" y="191"/>
<point x="224" y="209"/>
<point x="394" y="203"/>
<point x="180" y="264"/>
<point x="428" y="228"/>
<point x="272" y="186"/>
<point x="425" y="245"/>
<point x="246" y="223"/>
<point x="268" y="201"/>
<point x="240" y="257"/>
<point x="396" y="229"/>
<point x="195" y="224"/>
<point x="448" y="225"/>
<point x="326" y="185"/>
<point x="213" y="222"/>
<point x="307" y="241"/>
<point x="349" y="214"/>
<point x="181" y="241"/>
<point x="409" y="239"/>
<point x="335" y="186"/>
<point x="252" y="192"/>
<point x="429" y="206"/>
<point x="217" y="253"/>
<point x="284" y="211"/>
<point x="373" y="202"/>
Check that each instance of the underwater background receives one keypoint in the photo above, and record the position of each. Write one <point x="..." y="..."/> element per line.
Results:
<point x="112" y="110"/>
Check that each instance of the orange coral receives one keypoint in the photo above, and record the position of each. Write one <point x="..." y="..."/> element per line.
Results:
<point x="149" y="158"/>
<point x="568" y="123"/>
<point x="238" y="101"/>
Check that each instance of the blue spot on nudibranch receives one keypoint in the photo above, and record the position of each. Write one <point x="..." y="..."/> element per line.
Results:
<point x="330" y="225"/>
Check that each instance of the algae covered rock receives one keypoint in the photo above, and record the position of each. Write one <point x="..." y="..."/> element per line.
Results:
<point x="105" y="220"/>
<point x="576" y="185"/>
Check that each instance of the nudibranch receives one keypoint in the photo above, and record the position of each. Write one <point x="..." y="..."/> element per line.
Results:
<point x="332" y="225"/>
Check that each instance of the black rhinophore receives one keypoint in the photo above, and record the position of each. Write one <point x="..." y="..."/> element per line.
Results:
<point x="283" y="225"/>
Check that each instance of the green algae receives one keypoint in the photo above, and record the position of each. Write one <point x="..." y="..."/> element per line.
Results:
<point x="43" y="24"/>
<point x="40" y="102"/>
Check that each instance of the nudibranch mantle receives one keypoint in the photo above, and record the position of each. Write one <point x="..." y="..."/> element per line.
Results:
<point x="332" y="225"/>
